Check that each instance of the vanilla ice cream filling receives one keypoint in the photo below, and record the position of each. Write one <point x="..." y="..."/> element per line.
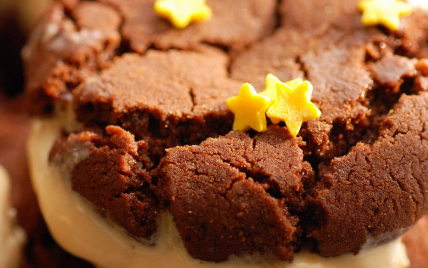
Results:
<point x="12" y="237"/>
<point x="80" y="230"/>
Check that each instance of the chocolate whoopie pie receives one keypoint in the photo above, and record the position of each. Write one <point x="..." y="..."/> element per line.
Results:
<point x="150" y="101"/>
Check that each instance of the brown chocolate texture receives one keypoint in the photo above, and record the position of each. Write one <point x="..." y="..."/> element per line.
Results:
<point x="232" y="180"/>
<point x="167" y="106"/>
<point x="141" y="87"/>
<point x="122" y="192"/>
<point x="70" y="51"/>
<point x="142" y="28"/>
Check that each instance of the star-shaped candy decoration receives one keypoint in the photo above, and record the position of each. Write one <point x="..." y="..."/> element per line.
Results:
<point x="293" y="106"/>
<point x="249" y="109"/>
<point x="385" y="12"/>
<point x="271" y="82"/>
<point x="271" y="92"/>
<point x="182" y="12"/>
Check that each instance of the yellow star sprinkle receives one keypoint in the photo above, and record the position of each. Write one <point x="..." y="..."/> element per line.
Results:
<point x="271" y="92"/>
<point x="293" y="106"/>
<point x="385" y="12"/>
<point x="271" y="82"/>
<point x="182" y="12"/>
<point x="249" y="109"/>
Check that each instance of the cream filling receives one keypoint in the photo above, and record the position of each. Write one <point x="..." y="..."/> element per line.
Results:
<point x="12" y="237"/>
<point x="78" y="228"/>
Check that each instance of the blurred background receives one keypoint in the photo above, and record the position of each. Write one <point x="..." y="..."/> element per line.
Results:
<point x="17" y="19"/>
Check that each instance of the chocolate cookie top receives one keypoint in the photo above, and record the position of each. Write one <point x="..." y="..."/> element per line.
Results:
<point x="234" y="23"/>
<point x="222" y="194"/>
<point x="114" y="177"/>
<point x="60" y="55"/>
<point x="353" y="176"/>
<point x="172" y="98"/>
<point x="77" y="39"/>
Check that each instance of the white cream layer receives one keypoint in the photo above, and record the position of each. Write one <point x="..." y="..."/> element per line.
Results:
<point x="78" y="229"/>
<point x="12" y="237"/>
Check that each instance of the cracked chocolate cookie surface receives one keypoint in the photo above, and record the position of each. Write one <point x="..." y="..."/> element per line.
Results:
<point x="158" y="133"/>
